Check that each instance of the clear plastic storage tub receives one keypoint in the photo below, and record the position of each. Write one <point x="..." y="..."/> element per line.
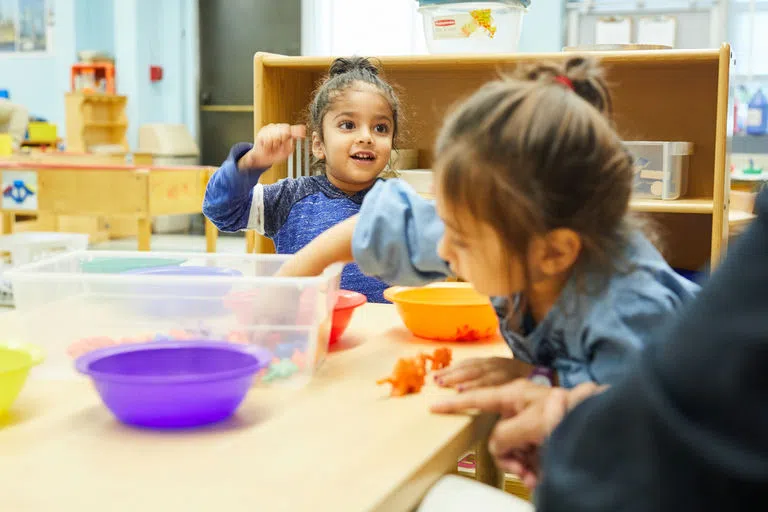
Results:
<point x="77" y="302"/>
<point x="661" y="168"/>
<point x="472" y="27"/>
<point x="20" y="248"/>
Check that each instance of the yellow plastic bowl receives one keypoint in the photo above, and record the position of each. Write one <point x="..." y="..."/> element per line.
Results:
<point x="445" y="312"/>
<point x="15" y="362"/>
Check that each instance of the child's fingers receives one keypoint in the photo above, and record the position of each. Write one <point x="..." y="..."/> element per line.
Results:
<point x="530" y="480"/>
<point x="554" y="409"/>
<point x="518" y="432"/>
<point x="493" y="378"/>
<point x="582" y="392"/>
<point x="462" y="364"/>
<point x="280" y="137"/>
<point x="488" y="400"/>
<point x="511" y="466"/>
<point x="459" y="375"/>
<point x="298" y="131"/>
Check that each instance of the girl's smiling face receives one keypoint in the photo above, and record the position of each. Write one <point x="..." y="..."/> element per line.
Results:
<point x="357" y="137"/>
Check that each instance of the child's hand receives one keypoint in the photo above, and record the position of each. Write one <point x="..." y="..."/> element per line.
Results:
<point x="274" y="143"/>
<point x="515" y="442"/>
<point x="529" y="413"/>
<point x="480" y="373"/>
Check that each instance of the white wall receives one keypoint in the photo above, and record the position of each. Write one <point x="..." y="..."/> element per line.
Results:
<point x="344" y="27"/>
<point x="543" y="27"/>
<point x="361" y="27"/>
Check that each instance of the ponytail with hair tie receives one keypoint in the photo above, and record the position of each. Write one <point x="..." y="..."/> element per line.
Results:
<point x="565" y="81"/>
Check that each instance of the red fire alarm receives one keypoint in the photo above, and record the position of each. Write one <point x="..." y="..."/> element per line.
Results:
<point x="155" y="73"/>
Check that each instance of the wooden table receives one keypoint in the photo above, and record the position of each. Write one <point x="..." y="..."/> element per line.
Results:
<point x="136" y="192"/>
<point x="339" y="444"/>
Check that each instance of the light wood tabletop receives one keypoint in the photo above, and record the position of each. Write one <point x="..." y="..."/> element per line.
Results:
<point x="341" y="443"/>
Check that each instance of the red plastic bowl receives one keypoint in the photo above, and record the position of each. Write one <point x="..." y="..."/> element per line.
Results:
<point x="346" y="303"/>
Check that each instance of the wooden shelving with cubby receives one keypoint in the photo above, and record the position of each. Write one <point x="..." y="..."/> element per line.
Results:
<point x="95" y="120"/>
<point x="658" y="95"/>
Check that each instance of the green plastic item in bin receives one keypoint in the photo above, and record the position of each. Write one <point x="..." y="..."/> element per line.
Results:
<point x="120" y="265"/>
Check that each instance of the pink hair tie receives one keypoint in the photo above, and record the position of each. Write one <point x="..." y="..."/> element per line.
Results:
<point x="565" y="81"/>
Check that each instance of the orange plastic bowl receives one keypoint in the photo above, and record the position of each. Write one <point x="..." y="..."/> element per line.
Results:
<point x="346" y="303"/>
<point x="445" y="312"/>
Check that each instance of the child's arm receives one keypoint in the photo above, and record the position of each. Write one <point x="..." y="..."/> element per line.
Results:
<point x="229" y="194"/>
<point x="333" y="246"/>
<point x="394" y="238"/>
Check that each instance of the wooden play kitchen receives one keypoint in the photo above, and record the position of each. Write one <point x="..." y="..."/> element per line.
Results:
<point x="284" y="450"/>
<point x="52" y="190"/>
<point x="675" y="96"/>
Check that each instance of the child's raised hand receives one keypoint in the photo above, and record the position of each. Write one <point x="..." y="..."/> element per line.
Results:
<point x="480" y="373"/>
<point x="274" y="143"/>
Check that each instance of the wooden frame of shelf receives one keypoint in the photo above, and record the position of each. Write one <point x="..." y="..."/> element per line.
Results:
<point x="95" y="119"/>
<point x="665" y="95"/>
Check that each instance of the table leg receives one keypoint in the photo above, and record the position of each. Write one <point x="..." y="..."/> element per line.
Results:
<point x="211" y="236"/>
<point x="145" y="233"/>
<point x="485" y="468"/>
<point x="7" y="220"/>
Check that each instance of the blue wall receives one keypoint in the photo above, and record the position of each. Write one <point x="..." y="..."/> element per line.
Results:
<point x="168" y="32"/>
<point x="93" y="25"/>
<point x="139" y="33"/>
<point x="40" y="81"/>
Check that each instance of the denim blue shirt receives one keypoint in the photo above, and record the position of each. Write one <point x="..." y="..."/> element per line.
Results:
<point x="584" y="337"/>
<point x="291" y="212"/>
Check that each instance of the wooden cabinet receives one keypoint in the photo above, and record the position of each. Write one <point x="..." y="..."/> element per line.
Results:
<point x="659" y="95"/>
<point x="95" y="120"/>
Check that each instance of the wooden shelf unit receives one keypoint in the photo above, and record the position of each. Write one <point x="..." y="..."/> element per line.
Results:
<point x="665" y="95"/>
<point x="95" y="119"/>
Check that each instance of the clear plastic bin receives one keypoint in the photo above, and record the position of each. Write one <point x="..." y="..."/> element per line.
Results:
<point x="74" y="303"/>
<point x="472" y="27"/>
<point x="20" y="248"/>
<point x="661" y="168"/>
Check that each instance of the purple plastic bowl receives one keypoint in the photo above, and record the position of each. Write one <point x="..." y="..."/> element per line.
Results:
<point x="183" y="298"/>
<point x="173" y="384"/>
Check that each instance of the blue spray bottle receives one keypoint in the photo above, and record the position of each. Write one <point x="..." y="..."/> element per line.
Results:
<point x="757" y="118"/>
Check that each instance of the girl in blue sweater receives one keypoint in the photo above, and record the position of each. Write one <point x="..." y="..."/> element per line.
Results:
<point x="353" y="121"/>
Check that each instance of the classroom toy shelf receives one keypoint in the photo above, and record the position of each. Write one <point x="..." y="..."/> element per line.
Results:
<point x="668" y="95"/>
<point x="95" y="120"/>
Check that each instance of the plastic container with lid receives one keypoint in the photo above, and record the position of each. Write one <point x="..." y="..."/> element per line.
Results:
<point x="82" y="310"/>
<point x="661" y="168"/>
<point x="21" y="248"/>
<point x="472" y="27"/>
